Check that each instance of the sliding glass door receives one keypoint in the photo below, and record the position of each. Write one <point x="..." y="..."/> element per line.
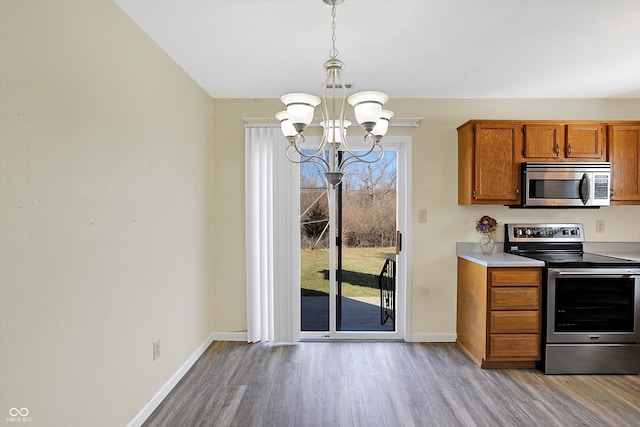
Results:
<point x="362" y="299"/>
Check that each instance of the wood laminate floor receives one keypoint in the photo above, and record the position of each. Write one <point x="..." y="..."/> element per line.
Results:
<point x="385" y="384"/>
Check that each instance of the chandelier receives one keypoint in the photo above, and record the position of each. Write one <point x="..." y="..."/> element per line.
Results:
<point x="367" y="109"/>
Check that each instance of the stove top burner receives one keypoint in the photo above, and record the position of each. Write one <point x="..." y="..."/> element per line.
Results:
<point x="579" y="260"/>
<point x="558" y="245"/>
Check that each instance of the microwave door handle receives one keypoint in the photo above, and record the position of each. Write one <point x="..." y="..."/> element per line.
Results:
<point x="583" y="190"/>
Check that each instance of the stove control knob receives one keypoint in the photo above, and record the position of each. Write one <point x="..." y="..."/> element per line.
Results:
<point x="528" y="232"/>
<point x="519" y="231"/>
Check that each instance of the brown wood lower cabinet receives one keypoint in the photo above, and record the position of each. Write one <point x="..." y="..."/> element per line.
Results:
<point x="498" y="314"/>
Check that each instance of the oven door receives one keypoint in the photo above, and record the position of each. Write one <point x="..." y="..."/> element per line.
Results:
<point x="566" y="188"/>
<point x="595" y="305"/>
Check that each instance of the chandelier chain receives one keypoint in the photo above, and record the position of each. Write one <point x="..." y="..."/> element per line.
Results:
<point x="333" y="53"/>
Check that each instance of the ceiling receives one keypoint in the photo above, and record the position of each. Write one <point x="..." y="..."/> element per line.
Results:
<point x="406" y="48"/>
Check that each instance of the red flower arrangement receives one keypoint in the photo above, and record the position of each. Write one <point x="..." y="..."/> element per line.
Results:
<point x="486" y="225"/>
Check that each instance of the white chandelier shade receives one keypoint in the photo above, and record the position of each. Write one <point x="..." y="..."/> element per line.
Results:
<point x="285" y="124"/>
<point x="300" y="108"/>
<point x="333" y="130"/>
<point x="367" y="107"/>
<point x="380" y="129"/>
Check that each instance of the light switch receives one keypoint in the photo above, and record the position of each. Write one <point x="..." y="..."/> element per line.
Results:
<point x="599" y="225"/>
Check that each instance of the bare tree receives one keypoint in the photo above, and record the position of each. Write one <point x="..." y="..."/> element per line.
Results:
<point x="374" y="178"/>
<point x="369" y="203"/>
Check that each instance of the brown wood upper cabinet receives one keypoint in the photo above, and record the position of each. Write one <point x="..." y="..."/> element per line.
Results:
<point x="490" y="154"/>
<point x="553" y="141"/>
<point x="543" y="141"/>
<point x="585" y="141"/>
<point x="623" y="151"/>
<point x="488" y="170"/>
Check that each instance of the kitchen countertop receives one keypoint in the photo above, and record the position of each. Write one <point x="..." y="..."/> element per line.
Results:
<point x="501" y="259"/>
<point x="471" y="252"/>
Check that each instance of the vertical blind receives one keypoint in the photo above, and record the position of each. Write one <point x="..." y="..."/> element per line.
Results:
<point x="272" y="229"/>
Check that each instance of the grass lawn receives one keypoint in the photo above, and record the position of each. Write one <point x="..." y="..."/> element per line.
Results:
<point x="360" y="266"/>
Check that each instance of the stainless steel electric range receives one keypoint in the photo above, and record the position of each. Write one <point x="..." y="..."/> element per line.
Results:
<point x="591" y="303"/>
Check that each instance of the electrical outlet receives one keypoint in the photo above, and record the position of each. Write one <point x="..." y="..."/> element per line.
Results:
<point x="156" y="350"/>
<point x="422" y="215"/>
<point x="599" y="225"/>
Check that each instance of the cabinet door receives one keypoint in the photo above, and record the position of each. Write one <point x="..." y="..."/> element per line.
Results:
<point x="623" y="147"/>
<point x="542" y="141"/>
<point x="496" y="172"/>
<point x="585" y="141"/>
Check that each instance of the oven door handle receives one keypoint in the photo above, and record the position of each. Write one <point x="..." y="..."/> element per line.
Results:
<point x="620" y="275"/>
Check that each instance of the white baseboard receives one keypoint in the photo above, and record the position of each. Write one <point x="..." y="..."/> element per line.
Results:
<point x="155" y="401"/>
<point x="433" y="337"/>
<point x="230" y="336"/>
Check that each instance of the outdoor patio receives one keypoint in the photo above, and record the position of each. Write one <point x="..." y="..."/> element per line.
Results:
<point x="358" y="314"/>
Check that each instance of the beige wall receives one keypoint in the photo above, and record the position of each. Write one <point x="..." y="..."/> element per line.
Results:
<point x="105" y="213"/>
<point x="434" y="183"/>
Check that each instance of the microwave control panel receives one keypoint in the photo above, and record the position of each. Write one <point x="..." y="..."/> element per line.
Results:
<point x="601" y="187"/>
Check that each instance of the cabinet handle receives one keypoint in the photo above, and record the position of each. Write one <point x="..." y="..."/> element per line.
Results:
<point x="517" y="191"/>
<point x="557" y="150"/>
<point x="569" y="150"/>
<point x="611" y="193"/>
<point x="474" y="194"/>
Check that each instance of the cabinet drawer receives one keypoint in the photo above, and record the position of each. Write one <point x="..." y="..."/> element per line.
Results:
<point x="515" y="299"/>
<point x="515" y="277"/>
<point x="514" y="345"/>
<point x="514" y="322"/>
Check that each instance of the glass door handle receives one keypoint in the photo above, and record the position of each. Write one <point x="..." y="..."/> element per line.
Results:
<point x="398" y="242"/>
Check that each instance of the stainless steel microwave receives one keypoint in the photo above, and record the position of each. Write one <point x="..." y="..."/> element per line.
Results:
<point x="565" y="184"/>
